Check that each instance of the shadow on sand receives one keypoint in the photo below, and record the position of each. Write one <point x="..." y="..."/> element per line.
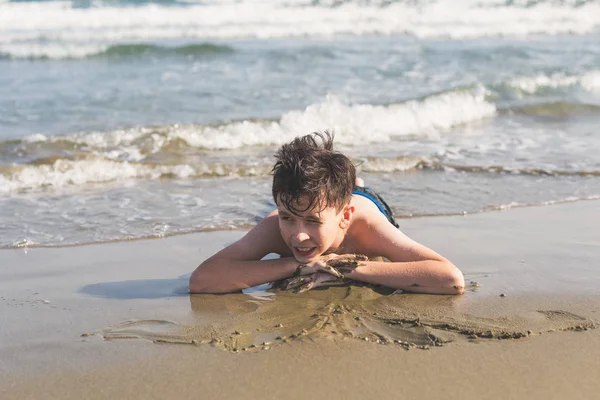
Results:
<point x="139" y="288"/>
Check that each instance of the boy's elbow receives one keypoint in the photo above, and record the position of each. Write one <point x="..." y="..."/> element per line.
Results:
<point x="203" y="281"/>
<point x="455" y="281"/>
<point x="196" y="283"/>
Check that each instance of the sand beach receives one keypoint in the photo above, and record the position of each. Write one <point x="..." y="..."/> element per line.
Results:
<point x="115" y="321"/>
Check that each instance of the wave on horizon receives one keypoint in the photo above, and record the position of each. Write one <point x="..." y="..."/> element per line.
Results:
<point x="137" y="50"/>
<point x="60" y="30"/>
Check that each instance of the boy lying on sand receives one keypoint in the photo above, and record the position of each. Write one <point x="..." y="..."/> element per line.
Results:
<point x="325" y="229"/>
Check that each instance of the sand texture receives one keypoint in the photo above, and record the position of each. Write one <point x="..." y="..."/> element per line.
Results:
<point x="236" y="323"/>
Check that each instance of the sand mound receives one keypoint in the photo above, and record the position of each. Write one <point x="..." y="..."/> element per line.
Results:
<point x="237" y="322"/>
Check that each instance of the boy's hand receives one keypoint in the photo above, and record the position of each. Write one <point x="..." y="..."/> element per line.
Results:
<point x="325" y="271"/>
<point x="332" y="264"/>
<point x="304" y="283"/>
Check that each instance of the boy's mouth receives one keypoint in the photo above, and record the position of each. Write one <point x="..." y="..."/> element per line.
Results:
<point x="304" y="251"/>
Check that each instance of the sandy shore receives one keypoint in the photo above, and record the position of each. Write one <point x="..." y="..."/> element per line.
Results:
<point x="100" y="321"/>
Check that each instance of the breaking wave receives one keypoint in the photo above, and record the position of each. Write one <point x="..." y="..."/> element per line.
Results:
<point x="192" y="50"/>
<point x="424" y="117"/>
<point x="63" y="173"/>
<point x="528" y="85"/>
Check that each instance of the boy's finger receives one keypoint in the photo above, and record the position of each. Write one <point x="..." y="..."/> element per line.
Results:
<point x="353" y="257"/>
<point x="348" y="266"/>
<point x="304" y="288"/>
<point x="332" y="271"/>
<point x="344" y="263"/>
<point x="326" y="279"/>
<point x="296" y="281"/>
<point x="305" y="269"/>
<point x="299" y="269"/>
<point x="318" y="280"/>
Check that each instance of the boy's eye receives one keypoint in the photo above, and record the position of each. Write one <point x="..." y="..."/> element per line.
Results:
<point x="314" y="221"/>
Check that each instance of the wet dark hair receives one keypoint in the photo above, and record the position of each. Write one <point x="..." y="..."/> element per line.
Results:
<point x="309" y="167"/>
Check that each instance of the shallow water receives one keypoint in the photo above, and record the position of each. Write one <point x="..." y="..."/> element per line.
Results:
<point x="129" y="120"/>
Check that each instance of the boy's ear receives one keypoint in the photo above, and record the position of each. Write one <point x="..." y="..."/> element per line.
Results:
<point x="346" y="216"/>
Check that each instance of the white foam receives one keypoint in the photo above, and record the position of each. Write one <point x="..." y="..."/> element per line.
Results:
<point x="589" y="81"/>
<point x="57" y="30"/>
<point x="359" y="123"/>
<point x="23" y="244"/>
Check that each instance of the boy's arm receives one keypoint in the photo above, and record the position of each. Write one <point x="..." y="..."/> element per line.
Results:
<point x="413" y="267"/>
<point x="239" y="265"/>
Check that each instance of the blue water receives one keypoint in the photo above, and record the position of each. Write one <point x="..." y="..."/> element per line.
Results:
<point x="123" y="120"/>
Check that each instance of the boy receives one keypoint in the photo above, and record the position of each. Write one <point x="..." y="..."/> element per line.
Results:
<point x="321" y="229"/>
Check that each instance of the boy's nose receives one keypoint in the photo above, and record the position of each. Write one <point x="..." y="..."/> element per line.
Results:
<point x="302" y="236"/>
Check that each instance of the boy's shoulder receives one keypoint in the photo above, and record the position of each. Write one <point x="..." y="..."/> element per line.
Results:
<point x="369" y="224"/>
<point x="366" y="211"/>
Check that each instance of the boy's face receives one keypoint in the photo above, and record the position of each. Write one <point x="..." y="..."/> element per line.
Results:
<point x="312" y="233"/>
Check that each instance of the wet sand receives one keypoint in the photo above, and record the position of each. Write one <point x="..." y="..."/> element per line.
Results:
<point x="115" y="320"/>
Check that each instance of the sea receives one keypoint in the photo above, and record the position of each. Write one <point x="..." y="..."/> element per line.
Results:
<point x="131" y="119"/>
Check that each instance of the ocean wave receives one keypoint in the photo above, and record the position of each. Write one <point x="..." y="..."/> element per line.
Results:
<point x="53" y="173"/>
<point x="137" y="50"/>
<point x="406" y="163"/>
<point x="501" y="207"/>
<point x="588" y="81"/>
<point x="425" y="117"/>
<point x="385" y="165"/>
<point x="570" y="199"/>
<point x="64" y="173"/>
<point x="61" y="30"/>
<point x="503" y="169"/>
<point x="557" y="109"/>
